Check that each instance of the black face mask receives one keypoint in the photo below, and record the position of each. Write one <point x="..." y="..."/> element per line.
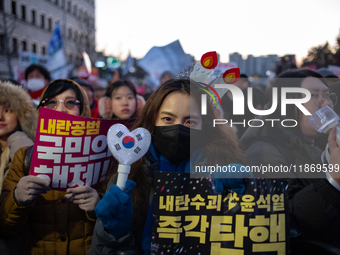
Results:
<point x="173" y="142"/>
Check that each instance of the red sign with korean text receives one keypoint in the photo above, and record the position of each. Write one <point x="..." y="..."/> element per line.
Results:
<point x="71" y="151"/>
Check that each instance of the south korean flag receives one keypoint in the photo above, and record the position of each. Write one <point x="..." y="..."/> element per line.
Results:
<point x="127" y="147"/>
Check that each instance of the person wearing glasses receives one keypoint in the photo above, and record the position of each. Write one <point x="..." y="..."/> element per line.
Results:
<point x="314" y="202"/>
<point x="58" y="222"/>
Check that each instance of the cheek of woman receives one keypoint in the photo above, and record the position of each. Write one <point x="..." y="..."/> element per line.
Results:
<point x="8" y="122"/>
<point x="124" y="107"/>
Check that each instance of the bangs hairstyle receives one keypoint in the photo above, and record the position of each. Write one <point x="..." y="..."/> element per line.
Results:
<point x="59" y="86"/>
<point x="291" y="79"/>
<point x="119" y="84"/>
<point x="114" y="86"/>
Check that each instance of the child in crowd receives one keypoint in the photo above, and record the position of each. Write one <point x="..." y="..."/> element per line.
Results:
<point x="120" y="101"/>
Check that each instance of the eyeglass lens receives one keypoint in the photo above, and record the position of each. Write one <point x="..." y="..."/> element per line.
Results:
<point x="331" y="98"/>
<point x="69" y="103"/>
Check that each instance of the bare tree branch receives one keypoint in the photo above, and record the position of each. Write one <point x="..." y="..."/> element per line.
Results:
<point x="8" y="27"/>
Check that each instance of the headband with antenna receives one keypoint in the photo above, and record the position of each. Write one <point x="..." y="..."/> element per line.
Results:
<point x="202" y="71"/>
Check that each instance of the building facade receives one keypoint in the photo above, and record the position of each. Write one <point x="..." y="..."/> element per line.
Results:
<point x="252" y="66"/>
<point x="27" y="26"/>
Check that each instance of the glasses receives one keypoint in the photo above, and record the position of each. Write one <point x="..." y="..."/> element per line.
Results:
<point x="52" y="103"/>
<point x="320" y="98"/>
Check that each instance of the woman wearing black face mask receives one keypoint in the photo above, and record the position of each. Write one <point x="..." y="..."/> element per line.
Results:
<point x="172" y="115"/>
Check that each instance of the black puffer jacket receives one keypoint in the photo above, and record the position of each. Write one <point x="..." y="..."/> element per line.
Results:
<point x="314" y="203"/>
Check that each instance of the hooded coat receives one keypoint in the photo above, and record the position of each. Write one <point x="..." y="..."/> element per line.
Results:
<point x="19" y="101"/>
<point x="314" y="203"/>
<point x="55" y="225"/>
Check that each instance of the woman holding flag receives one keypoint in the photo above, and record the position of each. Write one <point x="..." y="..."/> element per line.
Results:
<point x="172" y="116"/>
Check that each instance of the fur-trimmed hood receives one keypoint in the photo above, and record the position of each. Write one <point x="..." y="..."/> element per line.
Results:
<point x="20" y="102"/>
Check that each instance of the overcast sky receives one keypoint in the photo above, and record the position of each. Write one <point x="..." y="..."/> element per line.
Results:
<point x="257" y="27"/>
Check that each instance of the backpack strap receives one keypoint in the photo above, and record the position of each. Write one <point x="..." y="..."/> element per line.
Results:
<point x="27" y="160"/>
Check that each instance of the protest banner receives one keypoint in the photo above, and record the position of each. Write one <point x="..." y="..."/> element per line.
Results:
<point x="190" y="217"/>
<point x="71" y="151"/>
<point x="27" y="58"/>
<point x="169" y="58"/>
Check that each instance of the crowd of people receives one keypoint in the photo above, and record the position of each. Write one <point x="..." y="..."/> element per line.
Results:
<point x="35" y="219"/>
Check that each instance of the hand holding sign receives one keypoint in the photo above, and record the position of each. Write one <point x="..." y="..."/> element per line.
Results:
<point x="86" y="197"/>
<point x="127" y="147"/>
<point x="29" y="188"/>
<point x="71" y="151"/>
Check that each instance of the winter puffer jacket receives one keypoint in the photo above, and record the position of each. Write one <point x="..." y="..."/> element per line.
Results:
<point x="55" y="226"/>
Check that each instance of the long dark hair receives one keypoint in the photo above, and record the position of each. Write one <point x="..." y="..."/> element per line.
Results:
<point x="215" y="138"/>
<point x="59" y="86"/>
<point x="114" y="86"/>
<point x="219" y="143"/>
